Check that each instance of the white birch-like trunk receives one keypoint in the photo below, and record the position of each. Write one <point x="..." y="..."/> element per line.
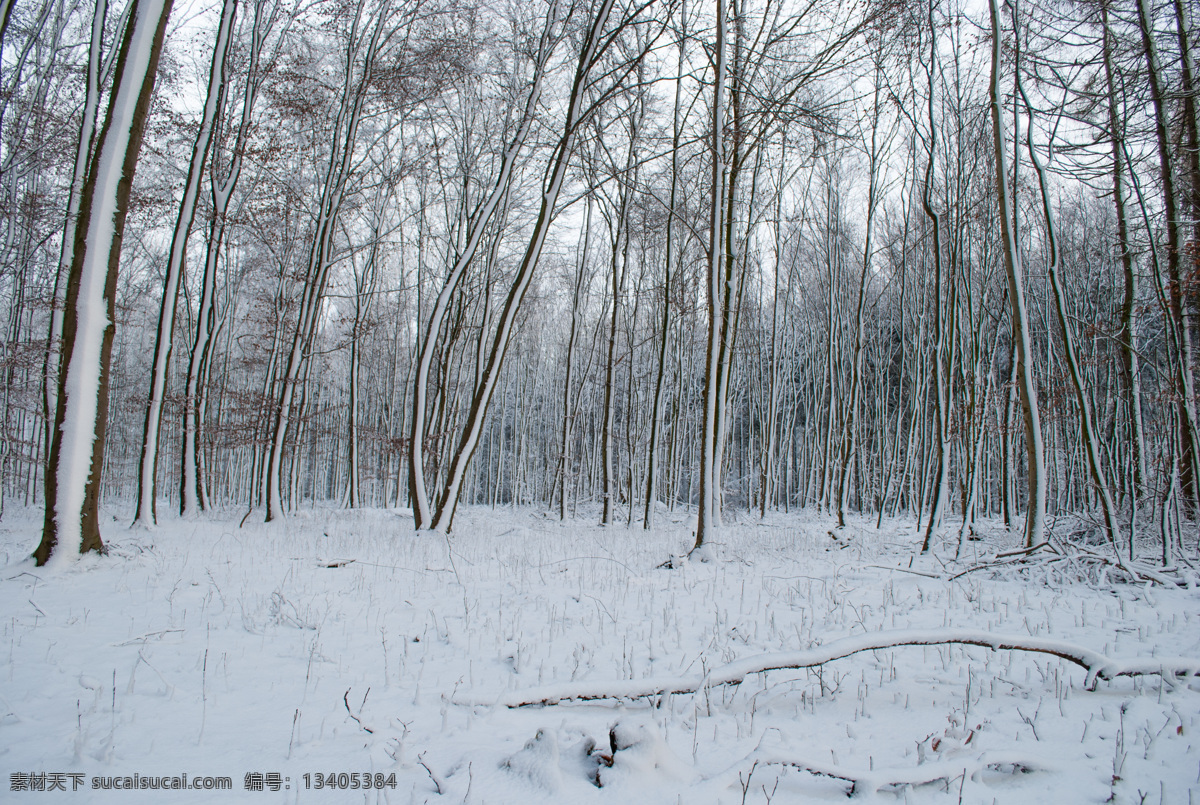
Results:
<point x="87" y="135"/>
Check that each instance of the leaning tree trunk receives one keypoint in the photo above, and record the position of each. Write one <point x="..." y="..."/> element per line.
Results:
<point x="1090" y="442"/>
<point x="1035" y="519"/>
<point x="76" y="460"/>
<point x="148" y="471"/>
<point x="476" y="226"/>
<point x="591" y="49"/>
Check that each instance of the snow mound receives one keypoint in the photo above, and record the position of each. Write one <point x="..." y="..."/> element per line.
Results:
<point x="641" y="760"/>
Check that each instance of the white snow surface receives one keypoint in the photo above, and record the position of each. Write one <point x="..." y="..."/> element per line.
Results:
<point x="340" y="641"/>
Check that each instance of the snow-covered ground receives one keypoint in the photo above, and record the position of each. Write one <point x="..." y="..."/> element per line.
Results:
<point x="340" y="641"/>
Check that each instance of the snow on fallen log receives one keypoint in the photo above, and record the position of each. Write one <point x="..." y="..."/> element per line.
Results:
<point x="863" y="781"/>
<point x="1097" y="665"/>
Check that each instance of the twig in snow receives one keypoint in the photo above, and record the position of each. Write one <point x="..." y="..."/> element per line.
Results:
<point x="437" y="784"/>
<point x="346" y="701"/>
<point x="746" y="782"/>
<point x="907" y="570"/>
<point x="1026" y="551"/>
<point x="145" y="637"/>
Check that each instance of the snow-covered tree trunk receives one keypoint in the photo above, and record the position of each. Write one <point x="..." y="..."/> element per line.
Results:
<point x="592" y="47"/>
<point x="618" y="220"/>
<point x="1182" y="335"/>
<point x="1035" y="519"/>
<point x="707" y="514"/>
<point x="476" y="226"/>
<point x="578" y="294"/>
<point x="76" y="460"/>
<point x="148" y="469"/>
<point x="1090" y="441"/>
<point x="669" y="237"/>
<point x="1127" y="335"/>
<point x="943" y="321"/>
<point x="320" y="259"/>
<point x="221" y="188"/>
<point x="850" y="433"/>
<point x="96" y="72"/>
<point x="1180" y="277"/>
<point x="364" y="296"/>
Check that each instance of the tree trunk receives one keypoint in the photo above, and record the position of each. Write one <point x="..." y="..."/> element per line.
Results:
<point x="1186" y="405"/>
<point x="191" y="497"/>
<point x="76" y="460"/>
<point x="146" y="514"/>
<point x="337" y="175"/>
<point x="706" y="515"/>
<point x="1127" y="335"/>
<point x="1035" y="519"/>
<point x="591" y="48"/>
<point x="476" y="226"/>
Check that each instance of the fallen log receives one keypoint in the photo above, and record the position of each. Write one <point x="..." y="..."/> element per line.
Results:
<point x="1097" y="665"/>
<point x="863" y="781"/>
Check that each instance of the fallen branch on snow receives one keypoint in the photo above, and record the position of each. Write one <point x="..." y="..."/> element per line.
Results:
<point x="1097" y="665"/>
<point x="867" y="782"/>
<point x="1079" y="561"/>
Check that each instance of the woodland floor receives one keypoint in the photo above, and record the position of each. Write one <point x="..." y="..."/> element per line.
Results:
<point x="339" y="641"/>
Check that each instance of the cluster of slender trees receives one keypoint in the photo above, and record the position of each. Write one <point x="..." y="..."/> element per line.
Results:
<point x="601" y="257"/>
